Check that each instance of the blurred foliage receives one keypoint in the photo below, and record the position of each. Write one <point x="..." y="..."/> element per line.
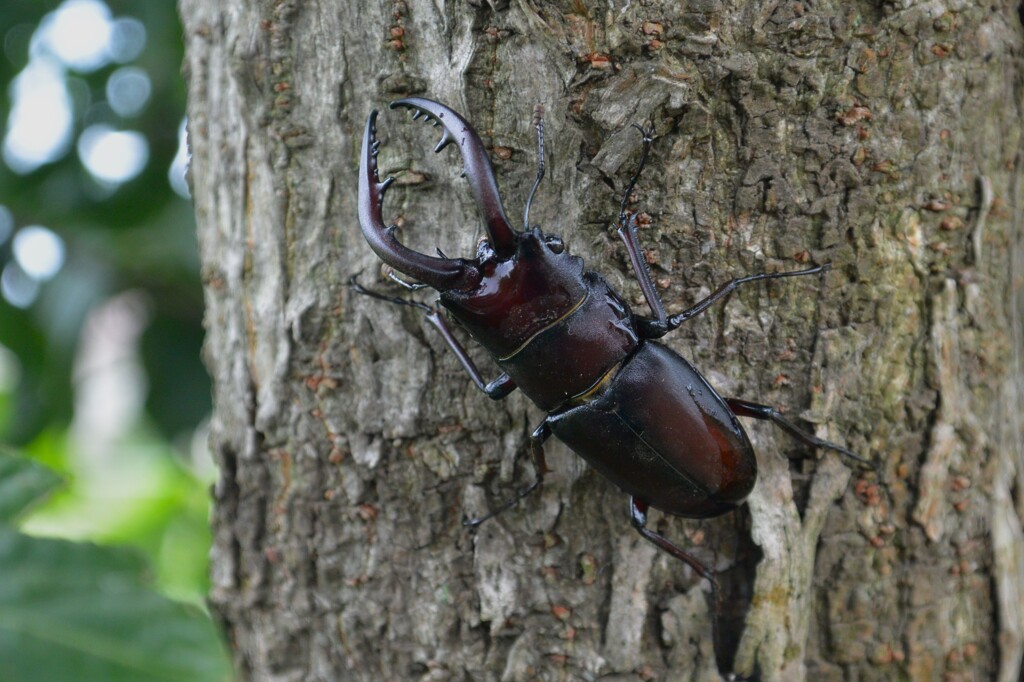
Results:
<point x="139" y="237"/>
<point x="130" y="253"/>
<point x="22" y="484"/>
<point x="77" y="611"/>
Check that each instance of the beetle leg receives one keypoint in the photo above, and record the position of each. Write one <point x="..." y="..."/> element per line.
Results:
<point x="626" y="228"/>
<point x="662" y="322"/>
<point x="496" y="390"/>
<point x="730" y="286"/>
<point x="745" y="408"/>
<point x="627" y="232"/>
<point x="537" y="438"/>
<point x="638" y="515"/>
<point x="654" y="329"/>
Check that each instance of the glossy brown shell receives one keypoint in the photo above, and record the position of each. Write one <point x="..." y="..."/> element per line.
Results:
<point x="662" y="434"/>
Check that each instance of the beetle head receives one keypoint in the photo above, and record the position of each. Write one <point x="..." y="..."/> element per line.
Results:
<point x="521" y="294"/>
<point x="519" y="282"/>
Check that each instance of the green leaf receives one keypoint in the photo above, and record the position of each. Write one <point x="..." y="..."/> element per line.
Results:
<point x="22" y="482"/>
<point x="76" y="611"/>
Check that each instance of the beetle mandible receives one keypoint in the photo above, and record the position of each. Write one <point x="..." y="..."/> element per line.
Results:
<point x="634" y="409"/>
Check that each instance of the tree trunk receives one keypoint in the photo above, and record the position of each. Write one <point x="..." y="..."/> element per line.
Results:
<point x="883" y="137"/>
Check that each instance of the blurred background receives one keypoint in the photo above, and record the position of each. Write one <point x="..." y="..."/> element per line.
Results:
<point x="100" y="301"/>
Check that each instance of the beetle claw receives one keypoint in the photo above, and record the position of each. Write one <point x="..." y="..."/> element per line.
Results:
<point x="446" y="139"/>
<point x="476" y="166"/>
<point x="442" y="274"/>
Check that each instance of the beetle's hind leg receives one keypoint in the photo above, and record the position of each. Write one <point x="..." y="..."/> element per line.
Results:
<point x="496" y="390"/>
<point x="745" y="408"/>
<point x="537" y="438"/>
<point x="638" y="515"/>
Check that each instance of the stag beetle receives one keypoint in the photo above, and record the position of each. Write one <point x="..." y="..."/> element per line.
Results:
<point x="631" y="407"/>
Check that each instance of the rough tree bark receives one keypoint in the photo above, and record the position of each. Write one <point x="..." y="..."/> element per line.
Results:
<point x="884" y="137"/>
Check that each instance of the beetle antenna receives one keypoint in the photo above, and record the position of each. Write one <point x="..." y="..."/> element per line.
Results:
<point x="353" y="282"/>
<point x="648" y="134"/>
<point x="538" y="123"/>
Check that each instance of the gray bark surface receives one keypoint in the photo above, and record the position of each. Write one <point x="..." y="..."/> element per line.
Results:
<point x="884" y="137"/>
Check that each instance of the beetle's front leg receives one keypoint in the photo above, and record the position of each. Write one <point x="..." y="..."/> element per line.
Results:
<point x="626" y="229"/>
<point x="662" y="323"/>
<point x="654" y="329"/>
<point x="496" y="390"/>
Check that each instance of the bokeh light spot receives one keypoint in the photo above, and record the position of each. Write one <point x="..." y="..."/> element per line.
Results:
<point x="112" y="156"/>
<point x="16" y="42"/>
<point x="128" y="90"/>
<point x="78" y="33"/>
<point x="17" y="288"/>
<point x="127" y="39"/>
<point x="39" y="252"/>
<point x="179" y="166"/>
<point x="39" y="125"/>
